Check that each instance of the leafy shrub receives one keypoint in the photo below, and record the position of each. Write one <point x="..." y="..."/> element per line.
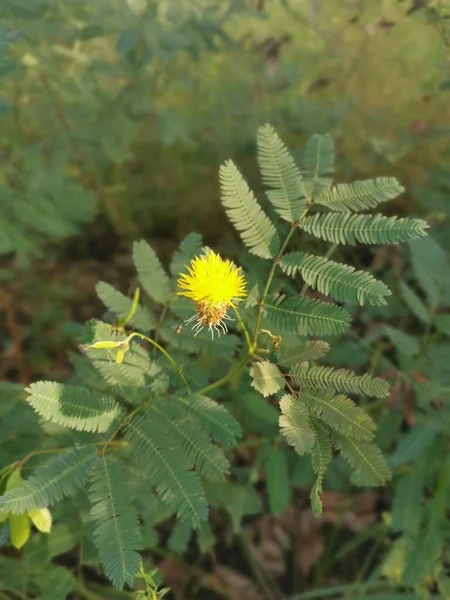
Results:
<point x="141" y="426"/>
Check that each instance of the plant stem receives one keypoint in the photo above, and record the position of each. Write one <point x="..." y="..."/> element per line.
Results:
<point x="228" y="377"/>
<point x="331" y="250"/>
<point x="269" y="281"/>
<point x="166" y="354"/>
<point x="250" y="346"/>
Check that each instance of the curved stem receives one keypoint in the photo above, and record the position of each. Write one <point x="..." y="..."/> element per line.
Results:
<point x="165" y="353"/>
<point x="250" y="346"/>
<point x="269" y="281"/>
<point x="228" y="377"/>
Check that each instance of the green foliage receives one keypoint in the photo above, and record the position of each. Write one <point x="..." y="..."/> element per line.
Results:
<point x="321" y="455"/>
<point x="267" y="379"/>
<point x="168" y="445"/>
<point x="167" y="470"/>
<point x="150" y="272"/>
<point x="178" y="420"/>
<point x="306" y="316"/>
<point x="340" y="380"/>
<point x="280" y="174"/>
<point x="116" y="528"/>
<point x="73" y="406"/>
<point x="318" y="162"/>
<point x="277" y="481"/>
<point x="360" y="195"/>
<point x="253" y="225"/>
<point x="295" y="424"/>
<point x="339" y="412"/>
<point x="122" y="306"/>
<point x="343" y="228"/>
<point x="311" y="350"/>
<point x="341" y="282"/>
<point x="366" y="460"/>
<point x="60" y="477"/>
<point x="218" y="422"/>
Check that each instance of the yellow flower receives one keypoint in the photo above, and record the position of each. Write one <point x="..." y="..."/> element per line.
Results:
<point x="214" y="284"/>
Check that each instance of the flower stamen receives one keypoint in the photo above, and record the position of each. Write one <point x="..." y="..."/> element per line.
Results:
<point x="214" y="284"/>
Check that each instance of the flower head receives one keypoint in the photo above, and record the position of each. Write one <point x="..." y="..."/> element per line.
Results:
<point x="214" y="284"/>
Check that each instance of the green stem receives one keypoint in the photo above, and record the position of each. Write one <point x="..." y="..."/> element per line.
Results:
<point x="228" y="377"/>
<point x="269" y="281"/>
<point x="251" y="349"/>
<point x="329" y="254"/>
<point x="165" y="353"/>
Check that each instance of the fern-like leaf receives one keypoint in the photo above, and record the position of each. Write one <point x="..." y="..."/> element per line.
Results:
<point x="368" y="464"/>
<point x="215" y="419"/>
<point x="341" y="282"/>
<point x="360" y="195"/>
<point x="340" y="380"/>
<point x="266" y="378"/>
<point x="190" y="247"/>
<point x="318" y="162"/>
<point x="295" y="425"/>
<point x="73" y="406"/>
<point x="306" y="317"/>
<point x="121" y="306"/>
<point x="50" y="483"/>
<point x="116" y="533"/>
<point x="311" y="350"/>
<point x="281" y="175"/>
<point x="167" y="469"/>
<point x="321" y="455"/>
<point x="194" y="442"/>
<point x="344" y="228"/>
<point x="339" y="412"/>
<point x="254" y="226"/>
<point x="151" y="275"/>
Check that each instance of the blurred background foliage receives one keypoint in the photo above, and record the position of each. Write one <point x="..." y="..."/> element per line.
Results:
<point x="115" y="116"/>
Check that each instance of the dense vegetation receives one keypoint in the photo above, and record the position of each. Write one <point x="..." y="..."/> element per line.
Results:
<point x="141" y="461"/>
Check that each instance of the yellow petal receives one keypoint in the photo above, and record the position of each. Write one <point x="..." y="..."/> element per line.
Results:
<point x="42" y="519"/>
<point x="20" y="530"/>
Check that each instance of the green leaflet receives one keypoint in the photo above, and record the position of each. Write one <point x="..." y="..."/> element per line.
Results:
<point x="69" y="470"/>
<point x="266" y="378"/>
<point x="73" y="406"/>
<point x="193" y="441"/>
<point x="116" y="533"/>
<point x="339" y="412"/>
<point x="344" y="228"/>
<point x="277" y="480"/>
<point x="281" y="175"/>
<point x="151" y="275"/>
<point x="295" y="425"/>
<point x="311" y="350"/>
<point x="189" y="248"/>
<point x="306" y="317"/>
<point x="369" y="467"/>
<point x="318" y="162"/>
<point x="215" y="419"/>
<point x="341" y="282"/>
<point x="407" y="505"/>
<point x="340" y="380"/>
<point x="360" y="195"/>
<point x="321" y="456"/>
<point x="121" y="305"/>
<point x="255" y="228"/>
<point x="167" y="469"/>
